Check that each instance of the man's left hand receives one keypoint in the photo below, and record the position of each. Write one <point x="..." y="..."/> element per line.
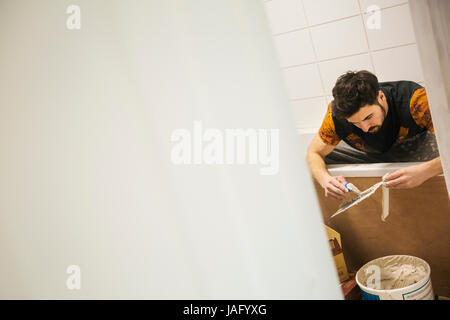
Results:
<point x="409" y="177"/>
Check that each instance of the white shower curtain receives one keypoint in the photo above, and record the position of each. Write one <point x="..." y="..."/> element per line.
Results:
<point x="86" y="175"/>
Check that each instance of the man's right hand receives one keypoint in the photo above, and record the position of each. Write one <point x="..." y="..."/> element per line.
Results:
<point x="315" y="156"/>
<point x="334" y="187"/>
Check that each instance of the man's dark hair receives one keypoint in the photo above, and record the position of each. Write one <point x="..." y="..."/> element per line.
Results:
<point x="354" y="90"/>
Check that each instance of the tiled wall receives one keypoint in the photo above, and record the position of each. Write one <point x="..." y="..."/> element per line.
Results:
<point x="318" y="40"/>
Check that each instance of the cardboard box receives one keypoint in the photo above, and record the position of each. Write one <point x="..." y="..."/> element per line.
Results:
<point x="350" y="288"/>
<point x="334" y="238"/>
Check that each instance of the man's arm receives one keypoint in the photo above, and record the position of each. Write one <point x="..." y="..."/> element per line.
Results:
<point x="317" y="151"/>
<point x="414" y="176"/>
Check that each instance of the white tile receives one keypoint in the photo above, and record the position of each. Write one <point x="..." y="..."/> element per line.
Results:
<point x="309" y="113"/>
<point x="396" y="28"/>
<point x="306" y="138"/>
<point x="400" y="63"/>
<point x="339" y="38"/>
<point x="332" y="69"/>
<point x="294" y="48"/>
<point x="319" y="11"/>
<point x="365" y="4"/>
<point x="285" y="15"/>
<point x="303" y="82"/>
<point x="329" y="99"/>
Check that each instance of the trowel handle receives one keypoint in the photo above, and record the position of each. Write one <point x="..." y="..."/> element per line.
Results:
<point x="351" y="187"/>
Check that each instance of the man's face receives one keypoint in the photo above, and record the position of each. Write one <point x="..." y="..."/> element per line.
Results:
<point x="369" y="118"/>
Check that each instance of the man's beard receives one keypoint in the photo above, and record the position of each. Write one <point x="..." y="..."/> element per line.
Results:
<point x="375" y="129"/>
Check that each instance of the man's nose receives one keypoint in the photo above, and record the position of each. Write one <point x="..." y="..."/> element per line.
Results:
<point x="365" y="126"/>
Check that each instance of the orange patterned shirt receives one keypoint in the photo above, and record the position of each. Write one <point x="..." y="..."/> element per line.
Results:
<point x="420" y="110"/>
<point x="327" y="131"/>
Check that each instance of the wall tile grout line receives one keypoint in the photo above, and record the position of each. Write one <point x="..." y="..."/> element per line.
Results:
<point x="394" y="47"/>
<point x="348" y="55"/>
<point x="308" y="98"/>
<point x="314" y="49"/>
<point x="326" y="60"/>
<point x="367" y="37"/>
<point x="314" y="25"/>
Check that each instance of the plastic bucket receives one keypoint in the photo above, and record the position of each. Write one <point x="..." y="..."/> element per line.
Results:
<point x="396" y="277"/>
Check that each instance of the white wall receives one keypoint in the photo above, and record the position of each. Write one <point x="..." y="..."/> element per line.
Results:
<point x="317" y="40"/>
<point x="432" y="28"/>
<point x="86" y="118"/>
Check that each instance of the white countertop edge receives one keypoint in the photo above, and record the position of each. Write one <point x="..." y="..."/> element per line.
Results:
<point x="367" y="169"/>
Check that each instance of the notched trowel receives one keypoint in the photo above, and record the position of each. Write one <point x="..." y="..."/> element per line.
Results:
<point x="362" y="195"/>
